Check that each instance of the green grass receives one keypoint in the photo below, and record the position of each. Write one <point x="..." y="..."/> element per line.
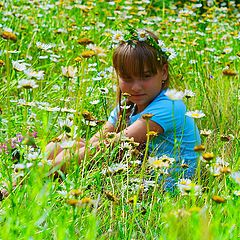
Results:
<point x="38" y="206"/>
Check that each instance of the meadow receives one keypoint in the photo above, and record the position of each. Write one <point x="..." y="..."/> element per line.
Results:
<point x="57" y="78"/>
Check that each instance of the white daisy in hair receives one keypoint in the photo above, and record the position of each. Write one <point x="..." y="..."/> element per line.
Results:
<point x="117" y="37"/>
<point x="142" y="35"/>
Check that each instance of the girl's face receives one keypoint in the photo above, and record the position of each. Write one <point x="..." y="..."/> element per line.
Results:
<point x="143" y="90"/>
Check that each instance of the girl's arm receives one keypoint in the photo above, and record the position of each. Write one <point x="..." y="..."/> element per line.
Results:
<point x="138" y="130"/>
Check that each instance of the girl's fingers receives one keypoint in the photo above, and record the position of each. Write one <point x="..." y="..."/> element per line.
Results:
<point x="52" y="150"/>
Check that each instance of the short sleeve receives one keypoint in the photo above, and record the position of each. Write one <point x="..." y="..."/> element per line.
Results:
<point x="167" y="113"/>
<point x="113" y="117"/>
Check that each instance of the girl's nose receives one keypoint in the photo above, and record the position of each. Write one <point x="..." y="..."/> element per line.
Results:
<point x="136" y="86"/>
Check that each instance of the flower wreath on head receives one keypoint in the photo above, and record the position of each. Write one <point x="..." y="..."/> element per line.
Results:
<point x="142" y="35"/>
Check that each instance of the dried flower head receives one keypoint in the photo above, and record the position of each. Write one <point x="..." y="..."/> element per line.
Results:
<point x="218" y="199"/>
<point x="199" y="148"/>
<point x="84" y="41"/>
<point x="1" y="63"/>
<point x="147" y="116"/>
<point x="205" y="132"/>
<point x="229" y="72"/>
<point x="208" y="156"/>
<point x="88" y="54"/>
<point x="110" y="196"/>
<point x="9" y="36"/>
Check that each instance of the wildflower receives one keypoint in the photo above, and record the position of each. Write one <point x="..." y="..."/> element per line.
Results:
<point x="81" y="203"/>
<point x="152" y="133"/>
<point x="219" y="167"/>
<point x="186" y="186"/>
<point x="162" y="162"/>
<point x="229" y="72"/>
<point x="111" y="135"/>
<point x="189" y="93"/>
<point x="9" y="36"/>
<point x="236" y="177"/>
<point x="171" y="53"/>
<point x="87" y="115"/>
<point x="88" y="54"/>
<point x="195" y="114"/>
<point x="237" y="193"/>
<point x="33" y="74"/>
<point x="1" y="63"/>
<point x="75" y="192"/>
<point x="69" y="71"/>
<point x="173" y="94"/>
<point x="94" y="102"/>
<point x="110" y="196"/>
<point x="131" y="199"/>
<point x="199" y="148"/>
<point x="27" y="84"/>
<point x="125" y="107"/>
<point x="98" y="50"/>
<point x="142" y="35"/>
<point x="161" y="44"/>
<point x="66" y="124"/>
<point x="117" y="37"/>
<point x="227" y="50"/>
<point x="226" y="138"/>
<point x="208" y="156"/>
<point x="115" y="168"/>
<point x="205" y="132"/>
<point x="77" y="59"/>
<point x="20" y="65"/>
<point x="44" y="46"/>
<point x="84" y="41"/>
<point x="126" y="94"/>
<point x="147" y="116"/>
<point x="218" y="199"/>
<point x="103" y="90"/>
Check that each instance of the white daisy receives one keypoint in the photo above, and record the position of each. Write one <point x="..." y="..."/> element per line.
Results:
<point x="173" y="94"/>
<point x="27" y="83"/>
<point x="195" y="114"/>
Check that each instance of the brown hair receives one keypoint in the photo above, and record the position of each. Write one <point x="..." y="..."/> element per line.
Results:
<point x="130" y="58"/>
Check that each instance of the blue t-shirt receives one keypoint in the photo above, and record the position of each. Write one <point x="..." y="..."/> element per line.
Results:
<point x="180" y="131"/>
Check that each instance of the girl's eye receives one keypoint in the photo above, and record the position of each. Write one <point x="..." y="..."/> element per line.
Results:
<point x="126" y="79"/>
<point x="147" y="76"/>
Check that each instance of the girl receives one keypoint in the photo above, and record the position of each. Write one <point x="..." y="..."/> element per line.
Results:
<point x="141" y="64"/>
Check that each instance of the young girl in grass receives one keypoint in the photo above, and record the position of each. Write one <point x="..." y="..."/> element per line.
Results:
<point x="141" y="64"/>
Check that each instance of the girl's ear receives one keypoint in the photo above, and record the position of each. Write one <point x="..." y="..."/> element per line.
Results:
<point x="165" y="72"/>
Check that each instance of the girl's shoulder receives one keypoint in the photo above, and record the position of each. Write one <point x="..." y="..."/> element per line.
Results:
<point x="163" y="102"/>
